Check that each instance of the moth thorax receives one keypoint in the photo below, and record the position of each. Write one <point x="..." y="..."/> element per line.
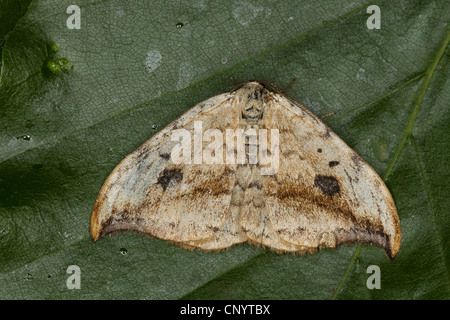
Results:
<point x="253" y="110"/>
<point x="253" y="98"/>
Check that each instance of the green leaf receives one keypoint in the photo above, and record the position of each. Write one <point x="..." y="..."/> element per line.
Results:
<point x="75" y="102"/>
<point x="10" y="12"/>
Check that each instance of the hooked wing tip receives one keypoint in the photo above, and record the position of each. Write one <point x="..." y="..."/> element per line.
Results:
<point x="95" y="223"/>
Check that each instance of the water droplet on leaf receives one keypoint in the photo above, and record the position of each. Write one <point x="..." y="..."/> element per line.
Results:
<point x="26" y="137"/>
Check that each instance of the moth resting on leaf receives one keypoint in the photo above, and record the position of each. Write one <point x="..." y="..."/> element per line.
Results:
<point x="319" y="194"/>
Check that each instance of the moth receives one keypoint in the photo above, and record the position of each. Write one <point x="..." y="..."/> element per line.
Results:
<point x="250" y="165"/>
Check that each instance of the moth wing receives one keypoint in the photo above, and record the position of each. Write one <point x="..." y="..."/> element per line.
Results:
<point x="253" y="219"/>
<point x="148" y="193"/>
<point x="323" y="193"/>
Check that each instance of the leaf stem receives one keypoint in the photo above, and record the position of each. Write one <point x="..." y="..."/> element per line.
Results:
<point x="347" y="271"/>
<point x="412" y="119"/>
<point x="428" y="75"/>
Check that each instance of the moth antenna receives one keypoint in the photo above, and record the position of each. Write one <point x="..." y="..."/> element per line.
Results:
<point x="274" y="89"/>
<point x="236" y="86"/>
<point x="333" y="113"/>
<point x="233" y="81"/>
<point x="289" y="86"/>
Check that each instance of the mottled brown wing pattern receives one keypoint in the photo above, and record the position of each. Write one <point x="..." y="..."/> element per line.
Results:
<point x="332" y="196"/>
<point x="150" y="194"/>
<point x="322" y="193"/>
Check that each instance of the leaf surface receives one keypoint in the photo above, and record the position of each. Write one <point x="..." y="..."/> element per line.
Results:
<point x="75" y="102"/>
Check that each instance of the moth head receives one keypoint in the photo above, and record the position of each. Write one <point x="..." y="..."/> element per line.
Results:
<point x="252" y="96"/>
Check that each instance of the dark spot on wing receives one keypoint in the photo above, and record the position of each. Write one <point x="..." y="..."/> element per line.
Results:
<point x="327" y="184"/>
<point x="165" y="156"/>
<point x="319" y="150"/>
<point x="333" y="163"/>
<point x="169" y="175"/>
<point x="357" y="161"/>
